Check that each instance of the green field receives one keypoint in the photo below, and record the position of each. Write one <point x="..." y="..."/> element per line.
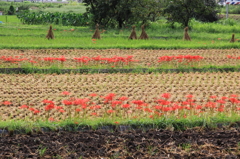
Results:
<point x="204" y="36"/>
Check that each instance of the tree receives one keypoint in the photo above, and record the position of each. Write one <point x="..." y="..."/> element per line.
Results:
<point x="117" y="13"/>
<point x="183" y="11"/>
<point x="11" y="10"/>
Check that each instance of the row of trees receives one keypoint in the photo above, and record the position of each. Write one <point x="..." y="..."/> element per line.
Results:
<point x="118" y="13"/>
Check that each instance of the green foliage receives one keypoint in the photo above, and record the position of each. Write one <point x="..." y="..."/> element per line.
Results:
<point x="11" y="10"/>
<point x="65" y="19"/>
<point x="115" y="13"/>
<point x="182" y="11"/>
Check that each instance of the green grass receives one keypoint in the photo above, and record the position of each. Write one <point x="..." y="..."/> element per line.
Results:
<point x="173" y="123"/>
<point x="14" y="35"/>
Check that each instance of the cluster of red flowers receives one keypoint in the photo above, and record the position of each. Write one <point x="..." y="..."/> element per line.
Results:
<point x="84" y="59"/>
<point x="11" y="59"/>
<point x="115" y="59"/>
<point x="180" y="58"/>
<point x="112" y="104"/>
<point x="232" y="57"/>
<point x="51" y="59"/>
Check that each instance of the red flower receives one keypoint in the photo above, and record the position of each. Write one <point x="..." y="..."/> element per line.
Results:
<point x="51" y="119"/>
<point x="49" y="107"/>
<point x="65" y="93"/>
<point x="116" y="122"/>
<point x="93" y="94"/>
<point x="110" y="111"/>
<point x="94" y="114"/>
<point x="23" y="106"/>
<point x="233" y="95"/>
<point x="126" y="106"/>
<point x="221" y="101"/>
<point x="48" y="101"/>
<point x="67" y="102"/>
<point x="189" y="96"/>
<point x="138" y="102"/>
<point x="31" y="109"/>
<point x="166" y="95"/>
<point x="36" y="111"/>
<point x="61" y="110"/>
<point x="6" y="103"/>
<point x="233" y="100"/>
<point x="199" y="107"/>
<point x="78" y="110"/>
<point x="213" y="96"/>
<point x="123" y="98"/>
<point x="109" y="97"/>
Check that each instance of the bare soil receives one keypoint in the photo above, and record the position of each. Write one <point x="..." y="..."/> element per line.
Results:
<point x="192" y="143"/>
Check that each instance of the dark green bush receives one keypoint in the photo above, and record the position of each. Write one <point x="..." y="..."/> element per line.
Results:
<point x="66" y="19"/>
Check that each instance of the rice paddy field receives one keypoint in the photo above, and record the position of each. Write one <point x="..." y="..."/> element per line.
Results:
<point x="120" y="115"/>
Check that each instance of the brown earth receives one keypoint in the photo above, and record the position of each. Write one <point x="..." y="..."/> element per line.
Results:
<point x="192" y="143"/>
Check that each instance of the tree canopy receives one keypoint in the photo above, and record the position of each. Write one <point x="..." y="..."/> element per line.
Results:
<point x="183" y="11"/>
<point x="117" y="13"/>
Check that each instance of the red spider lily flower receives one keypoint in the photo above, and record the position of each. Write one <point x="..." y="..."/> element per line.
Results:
<point x="198" y="107"/>
<point x="126" y="106"/>
<point x="49" y="107"/>
<point x="166" y="109"/>
<point x="233" y="95"/>
<point x="185" y="103"/>
<point x="110" y="111"/>
<point x="238" y="108"/>
<point x="221" y="106"/>
<point x="48" y="101"/>
<point x="78" y="110"/>
<point x="115" y="103"/>
<point x="148" y="110"/>
<point x="36" y="111"/>
<point x="94" y="39"/>
<point x="166" y="95"/>
<point x="98" y="107"/>
<point x="65" y="93"/>
<point x="220" y="109"/>
<point x="31" y="109"/>
<point x="67" y="102"/>
<point x="23" y="106"/>
<point x="82" y="102"/>
<point x="220" y="101"/>
<point x="211" y="105"/>
<point x="93" y="94"/>
<point x="116" y="122"/>
<point x="62" y="59"/>
<point x="233" y="100"/>
<point x="123" y="98"/>
<point x="109" y="97"/>
<point x="51" y="119"/>
<point x="138" y="102"/>
<point x="224" y="98"/>
<point x="165" y="102"/>
<point x="189" y="96"/>
<point x="139" y="107"/>
<point x="62" y="111"/>
<point x="94" y="114"/>
<point x="151" y="116"/>
<point x="158" y="107"/>
<point x="58" y="107"/>
<point x="6" y="103"/>
<point x="213" y="97"/>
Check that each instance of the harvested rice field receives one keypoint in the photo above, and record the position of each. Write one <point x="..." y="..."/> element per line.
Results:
<point x="33" y="89"/>
<point x="120" y="100"/>
<point x="73" y="58"/>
